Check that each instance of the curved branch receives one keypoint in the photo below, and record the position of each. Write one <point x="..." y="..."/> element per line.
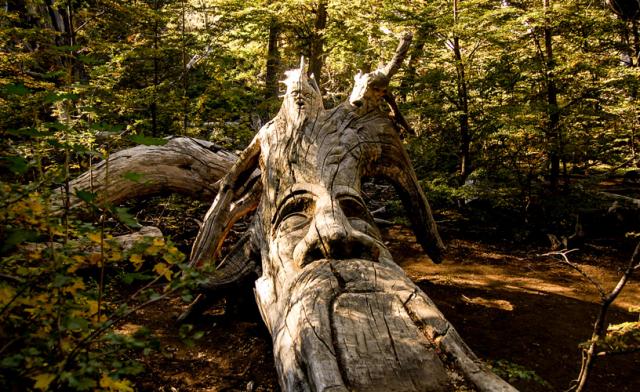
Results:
<point x="238" y="267"/>
<point x="401" y="52"/>
<point x="229" y="205"/>
<point x="184" y="165"/>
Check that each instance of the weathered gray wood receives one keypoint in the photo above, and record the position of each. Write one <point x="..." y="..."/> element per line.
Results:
<point x="183" y="165"/>
<point x="125" y="242"/>
<point x="343" y="316"/>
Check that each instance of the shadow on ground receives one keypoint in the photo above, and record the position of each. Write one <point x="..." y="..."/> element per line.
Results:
<point x="508" y="306"/>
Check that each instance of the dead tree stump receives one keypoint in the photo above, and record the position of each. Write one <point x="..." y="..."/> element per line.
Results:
<point x="343" y="316"/>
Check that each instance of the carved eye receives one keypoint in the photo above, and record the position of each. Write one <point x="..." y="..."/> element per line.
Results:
<point x="293" y="216"/>
<point x="358" y="215"/>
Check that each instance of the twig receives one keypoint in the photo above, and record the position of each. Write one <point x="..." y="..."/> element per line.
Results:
<point x="563" y="255"/>
<point x="15" y="296"/>
<point x="107" y="325"/>
<point x="599" y="329"/>
<point x="12" y="278"/>
<point x="6" y="346"/>
<point x="397" y="115"/>
<point x="134" y="295"/>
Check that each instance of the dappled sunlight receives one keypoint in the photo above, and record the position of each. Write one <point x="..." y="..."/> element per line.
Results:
<point x="478" y="265"/>
<point x="489" y="303"/>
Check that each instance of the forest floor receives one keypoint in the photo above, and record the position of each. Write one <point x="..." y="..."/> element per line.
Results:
<point x="524" y="313"/>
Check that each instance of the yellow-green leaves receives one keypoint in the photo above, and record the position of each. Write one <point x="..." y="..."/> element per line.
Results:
<point x="163" y="269"/>
<point x="42" y="381"/>
<point x="112" y="384"/>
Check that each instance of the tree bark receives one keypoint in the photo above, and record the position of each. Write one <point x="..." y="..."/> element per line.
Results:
<point x="316" y="50"/>
<point x="553" y="131"/>
<point x="343" y="316"/>
<point x="183" y="165"/>
<point x="463" y="103"/>
<point x="273" y="60"/>
<point x="156" y="70"/>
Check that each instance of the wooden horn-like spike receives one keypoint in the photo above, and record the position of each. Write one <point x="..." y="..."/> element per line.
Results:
<point x="397" y="114"/>
<point x="229" y="205"/>
<point x="401" y="52"/>
<point x="395" y="166"/>
<point x="418" y="211"/>
<point x="220" y="218"/>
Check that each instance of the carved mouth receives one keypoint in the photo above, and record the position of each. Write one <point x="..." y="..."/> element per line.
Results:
<point x="314" y="263"/>
<point x="371" y="255"/>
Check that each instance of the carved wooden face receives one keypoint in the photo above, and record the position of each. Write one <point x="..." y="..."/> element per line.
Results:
<point x="312" y="223"/>
<point x="301" y="100"/>
<point x="368" y="90"/>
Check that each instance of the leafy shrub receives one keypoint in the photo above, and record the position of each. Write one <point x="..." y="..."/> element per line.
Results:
<point x="58" y="326"/>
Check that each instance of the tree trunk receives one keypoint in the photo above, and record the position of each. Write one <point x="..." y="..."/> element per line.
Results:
<point x="553" y="131"/>
<point x="273" y="60"/>
<point x="183" y="165"/>
<point x="185" y="70"/>
<point x="156" y="70"/>
<point x="636" y="42"/>
<point x="316" y="51"/>
<point x="463" y="104"/>
<point x="343" y="316"/>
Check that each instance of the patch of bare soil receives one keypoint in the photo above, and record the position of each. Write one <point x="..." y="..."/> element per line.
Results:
<point x="511" y="307"/>
<point x="526" y="309"/>
<point x="233" y="355"/>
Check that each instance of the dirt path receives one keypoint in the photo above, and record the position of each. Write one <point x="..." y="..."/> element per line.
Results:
<point x="521" y="312"/>
<point x="471" y="264"/>
<point x="519" y="308"/>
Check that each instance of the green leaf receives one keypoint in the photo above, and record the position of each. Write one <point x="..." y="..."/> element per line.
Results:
<point x="16" y="237"/>
<point x="18" y="165"/>
<point x="89" y="60"/>
<point x="56" y="97"/>
<point x="148" y="140"/>
<point x="129" y="278"/>
<point x="198" y="335"/>
<point x="76" y="323"/>
<point x="125" y="217"/>
<point x="83" y="383"/>
<point x="29" y="132"/>
<point x="104" y="127"/>
<point x="56" y="125"/>
<point x="11" y="361"/>
<point x="133" y="176"/>
<point x="15" y="89"/>
<point x="87" y="197"/>
<point x="61" y="280"/>
<point x="66" y="48"/>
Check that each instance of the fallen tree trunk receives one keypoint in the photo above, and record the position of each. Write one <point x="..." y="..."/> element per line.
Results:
<point x="124" y="242"/>
<point x="183" y="165"/>
<point x="343" y="316"/>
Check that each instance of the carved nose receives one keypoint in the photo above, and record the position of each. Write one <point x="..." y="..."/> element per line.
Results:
<point x="332" y="237"/>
